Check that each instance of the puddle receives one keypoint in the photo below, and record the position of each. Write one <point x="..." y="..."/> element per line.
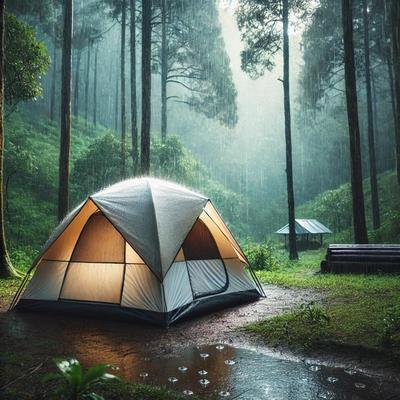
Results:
<point x="188" y="359"/>
<point x="245" y="374"/>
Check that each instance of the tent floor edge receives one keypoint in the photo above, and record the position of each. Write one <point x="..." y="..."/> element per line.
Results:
<point x="116" y="312"/>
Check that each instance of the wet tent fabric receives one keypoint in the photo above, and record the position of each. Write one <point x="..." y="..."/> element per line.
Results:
<point x="144" y="247"/>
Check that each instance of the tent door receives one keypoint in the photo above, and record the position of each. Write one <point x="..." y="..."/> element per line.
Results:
<point x="206" y="269"/>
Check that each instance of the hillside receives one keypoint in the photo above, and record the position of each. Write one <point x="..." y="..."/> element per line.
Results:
<point x="333" y="208"/>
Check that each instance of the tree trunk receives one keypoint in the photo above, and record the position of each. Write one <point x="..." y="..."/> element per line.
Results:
<point x="393" y="105"/>
<point x="123" y="116"/>
<point x="395" y="26"/>
<point x="116" y="104"/>
<point x="6" y="268"/>
<point x="76" y="89"/>
<point x="134" y="129"/>
<point x="87" y="83"/>
<point x="359" y="226"/>
<point x="53" y="83"/>
<point x="65" y="140"/>
<point x="288" y="135"/>
<point x="164" y="70"/>
<point x="376" y="221"/>
<point x="146" y="87"/>
<point x="95" y="87"/>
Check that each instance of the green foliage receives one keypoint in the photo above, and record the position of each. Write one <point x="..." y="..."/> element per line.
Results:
<point x="314" y="313"/>
<point x="360" y="307"/>
<point x="97" y="167"/>
<point x="23" y="257"/>
<point x="76" y="383"/>
<point x="391" y="327"/>
<point x="303" y="328"/>
<point x="263" y="256"/>
<point x="333" y="208"/>
<point x="170" y="160"/>
<point x="260" y="23"/>
<point x="198" y="63"/>
<point x="26" y="61"/>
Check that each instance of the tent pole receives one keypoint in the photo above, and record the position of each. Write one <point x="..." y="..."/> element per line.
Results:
<point x="20" y="288"/>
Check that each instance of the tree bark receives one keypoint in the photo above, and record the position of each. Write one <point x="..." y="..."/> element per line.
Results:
<point x="65" y="140"/>
<point x="123" y="116"/>
<point x="53" y="81"/>
<point x="6" y="268"/>
<point x="359" y="225"/>
<point x="134" y="129"/>
<point x="376" y="221"/>
<point x="288" y="135"/>
<point x="116" y="104"/>
<point x="393" y="106"/>
<point x="87" y="83"/>
<point x="76" y="89"/>
<point x="395" y="27"/>
<point x="164" y="70"/>
<point x="146" y="87"/>
<point x="95" y="87"/>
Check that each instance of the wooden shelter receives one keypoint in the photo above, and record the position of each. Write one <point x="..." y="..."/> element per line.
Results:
<point x="306" y="228"/>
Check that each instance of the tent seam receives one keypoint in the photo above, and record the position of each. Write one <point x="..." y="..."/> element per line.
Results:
<point x="164" y="303"/>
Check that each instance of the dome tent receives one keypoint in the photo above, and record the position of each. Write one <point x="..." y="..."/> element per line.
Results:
<point x="145" y="248"/>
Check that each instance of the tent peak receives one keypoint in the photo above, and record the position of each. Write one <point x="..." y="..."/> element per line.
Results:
<point x="148" y="182"/>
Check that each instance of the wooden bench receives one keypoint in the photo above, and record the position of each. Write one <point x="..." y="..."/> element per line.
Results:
<point x="362" y="258"/>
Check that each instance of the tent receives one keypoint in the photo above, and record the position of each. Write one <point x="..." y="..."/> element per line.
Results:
<point x="142" y="248"/>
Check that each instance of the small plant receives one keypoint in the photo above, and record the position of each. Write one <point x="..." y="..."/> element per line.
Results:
<point x="74" y="383"/>
<point x="314" y="313"/>
<point x="391" y="327"/>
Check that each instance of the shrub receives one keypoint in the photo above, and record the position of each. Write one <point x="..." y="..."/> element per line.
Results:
<point x="262" y="256"/>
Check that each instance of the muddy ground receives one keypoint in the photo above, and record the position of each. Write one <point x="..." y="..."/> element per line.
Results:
<point x="29" y="339"/>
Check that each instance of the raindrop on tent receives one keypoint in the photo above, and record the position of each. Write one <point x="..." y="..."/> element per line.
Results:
<point x="188" y="392"/>
<point x="230" y="362"/>
<point x="172" y="379"/>
<point x="315" y="368"/>
<point x="143" y="375"/>
<point x="224" y="393"/>
<point x="204" y="382"/>
<point x="204" y="355"/>
<point x="182" y="369"/>
<point x="219" y="347"/>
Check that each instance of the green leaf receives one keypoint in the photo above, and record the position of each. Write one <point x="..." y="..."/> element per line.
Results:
<point x="92" y="396"/>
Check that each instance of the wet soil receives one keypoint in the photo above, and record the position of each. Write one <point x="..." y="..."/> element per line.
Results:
<point x="30" y="338"/>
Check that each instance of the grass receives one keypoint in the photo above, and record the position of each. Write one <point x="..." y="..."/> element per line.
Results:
<point x="357" y="307"/>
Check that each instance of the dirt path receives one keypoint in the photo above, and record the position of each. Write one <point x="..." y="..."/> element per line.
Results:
<point x="88" y="337"/>
<point x="28" y="339"/>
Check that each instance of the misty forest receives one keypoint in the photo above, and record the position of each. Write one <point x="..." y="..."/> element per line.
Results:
<point x="279" y="121"/>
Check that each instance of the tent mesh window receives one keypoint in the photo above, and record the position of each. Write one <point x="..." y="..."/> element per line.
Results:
<point x="206" y="269"/>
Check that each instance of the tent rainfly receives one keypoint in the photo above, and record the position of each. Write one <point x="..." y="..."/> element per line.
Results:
<point x="306" y="227"/>
<point x="142" y="248"/>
